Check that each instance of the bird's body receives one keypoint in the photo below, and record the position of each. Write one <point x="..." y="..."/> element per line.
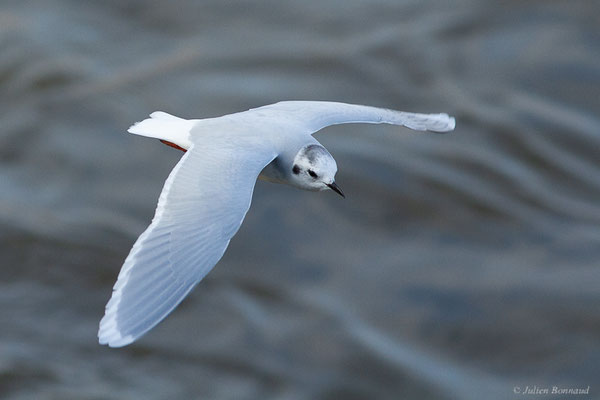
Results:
<point x="208" y="193"/>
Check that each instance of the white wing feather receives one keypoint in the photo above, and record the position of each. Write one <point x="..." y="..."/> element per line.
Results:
<point x="201" y="207"/>
<point x="316" y="115"/>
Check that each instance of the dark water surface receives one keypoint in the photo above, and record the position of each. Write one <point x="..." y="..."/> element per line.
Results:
<point x="459" y="267"/>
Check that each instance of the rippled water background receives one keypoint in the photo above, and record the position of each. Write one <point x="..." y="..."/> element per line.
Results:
<point x="459" y="266"/>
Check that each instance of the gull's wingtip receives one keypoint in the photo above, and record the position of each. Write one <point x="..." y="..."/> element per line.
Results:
<point x="444" y="124"/>
<point x="115" y="342"/>
<point x="108" y="332"/>
<point x="110" y="336"/>
<point x="451" y="123"/>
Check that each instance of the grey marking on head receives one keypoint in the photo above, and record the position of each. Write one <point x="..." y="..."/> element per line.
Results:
<point x="315" y="151"/>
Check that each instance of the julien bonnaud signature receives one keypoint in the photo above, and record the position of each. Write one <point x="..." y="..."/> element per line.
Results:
<point x="542" y="390"/>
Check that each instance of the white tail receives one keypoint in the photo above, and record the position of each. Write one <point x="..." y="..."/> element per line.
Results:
<point x="165" y="126"/>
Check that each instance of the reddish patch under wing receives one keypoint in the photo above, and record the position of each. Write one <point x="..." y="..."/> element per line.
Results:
<point x="173" y="145"/>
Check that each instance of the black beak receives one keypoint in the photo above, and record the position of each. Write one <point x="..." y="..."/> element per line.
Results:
<point x="333" y="186"/>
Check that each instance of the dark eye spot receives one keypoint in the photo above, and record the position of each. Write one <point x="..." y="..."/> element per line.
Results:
<point x="312" y="173"/>
<point x="296" y="169"/>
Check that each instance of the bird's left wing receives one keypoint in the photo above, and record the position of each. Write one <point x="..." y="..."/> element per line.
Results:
<point x="200" y="208"/>
<point x="316" y="115"/>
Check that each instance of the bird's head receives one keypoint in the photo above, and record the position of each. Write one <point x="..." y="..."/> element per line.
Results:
<point x="314" y="169"/>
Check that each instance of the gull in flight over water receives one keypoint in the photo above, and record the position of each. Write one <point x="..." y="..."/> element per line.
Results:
<point x="208" y="193"/>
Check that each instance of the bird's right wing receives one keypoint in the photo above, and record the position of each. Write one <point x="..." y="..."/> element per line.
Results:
<point x="316" y="115"/>
<point x="201" y="207"/>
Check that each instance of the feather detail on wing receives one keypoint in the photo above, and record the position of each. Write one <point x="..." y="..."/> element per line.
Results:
<point x="200" y="208"/>
<point x="316" y="115"/>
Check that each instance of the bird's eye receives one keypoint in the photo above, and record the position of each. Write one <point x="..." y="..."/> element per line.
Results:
<point x="296" y="169"/>
<point x="312" y="173"/>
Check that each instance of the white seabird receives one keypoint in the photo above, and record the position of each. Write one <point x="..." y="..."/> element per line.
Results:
<point x="208" y="193"/>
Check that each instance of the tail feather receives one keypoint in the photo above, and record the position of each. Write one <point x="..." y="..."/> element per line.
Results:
<point x="165" y="116"/>
<point x="166" y="127"/>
